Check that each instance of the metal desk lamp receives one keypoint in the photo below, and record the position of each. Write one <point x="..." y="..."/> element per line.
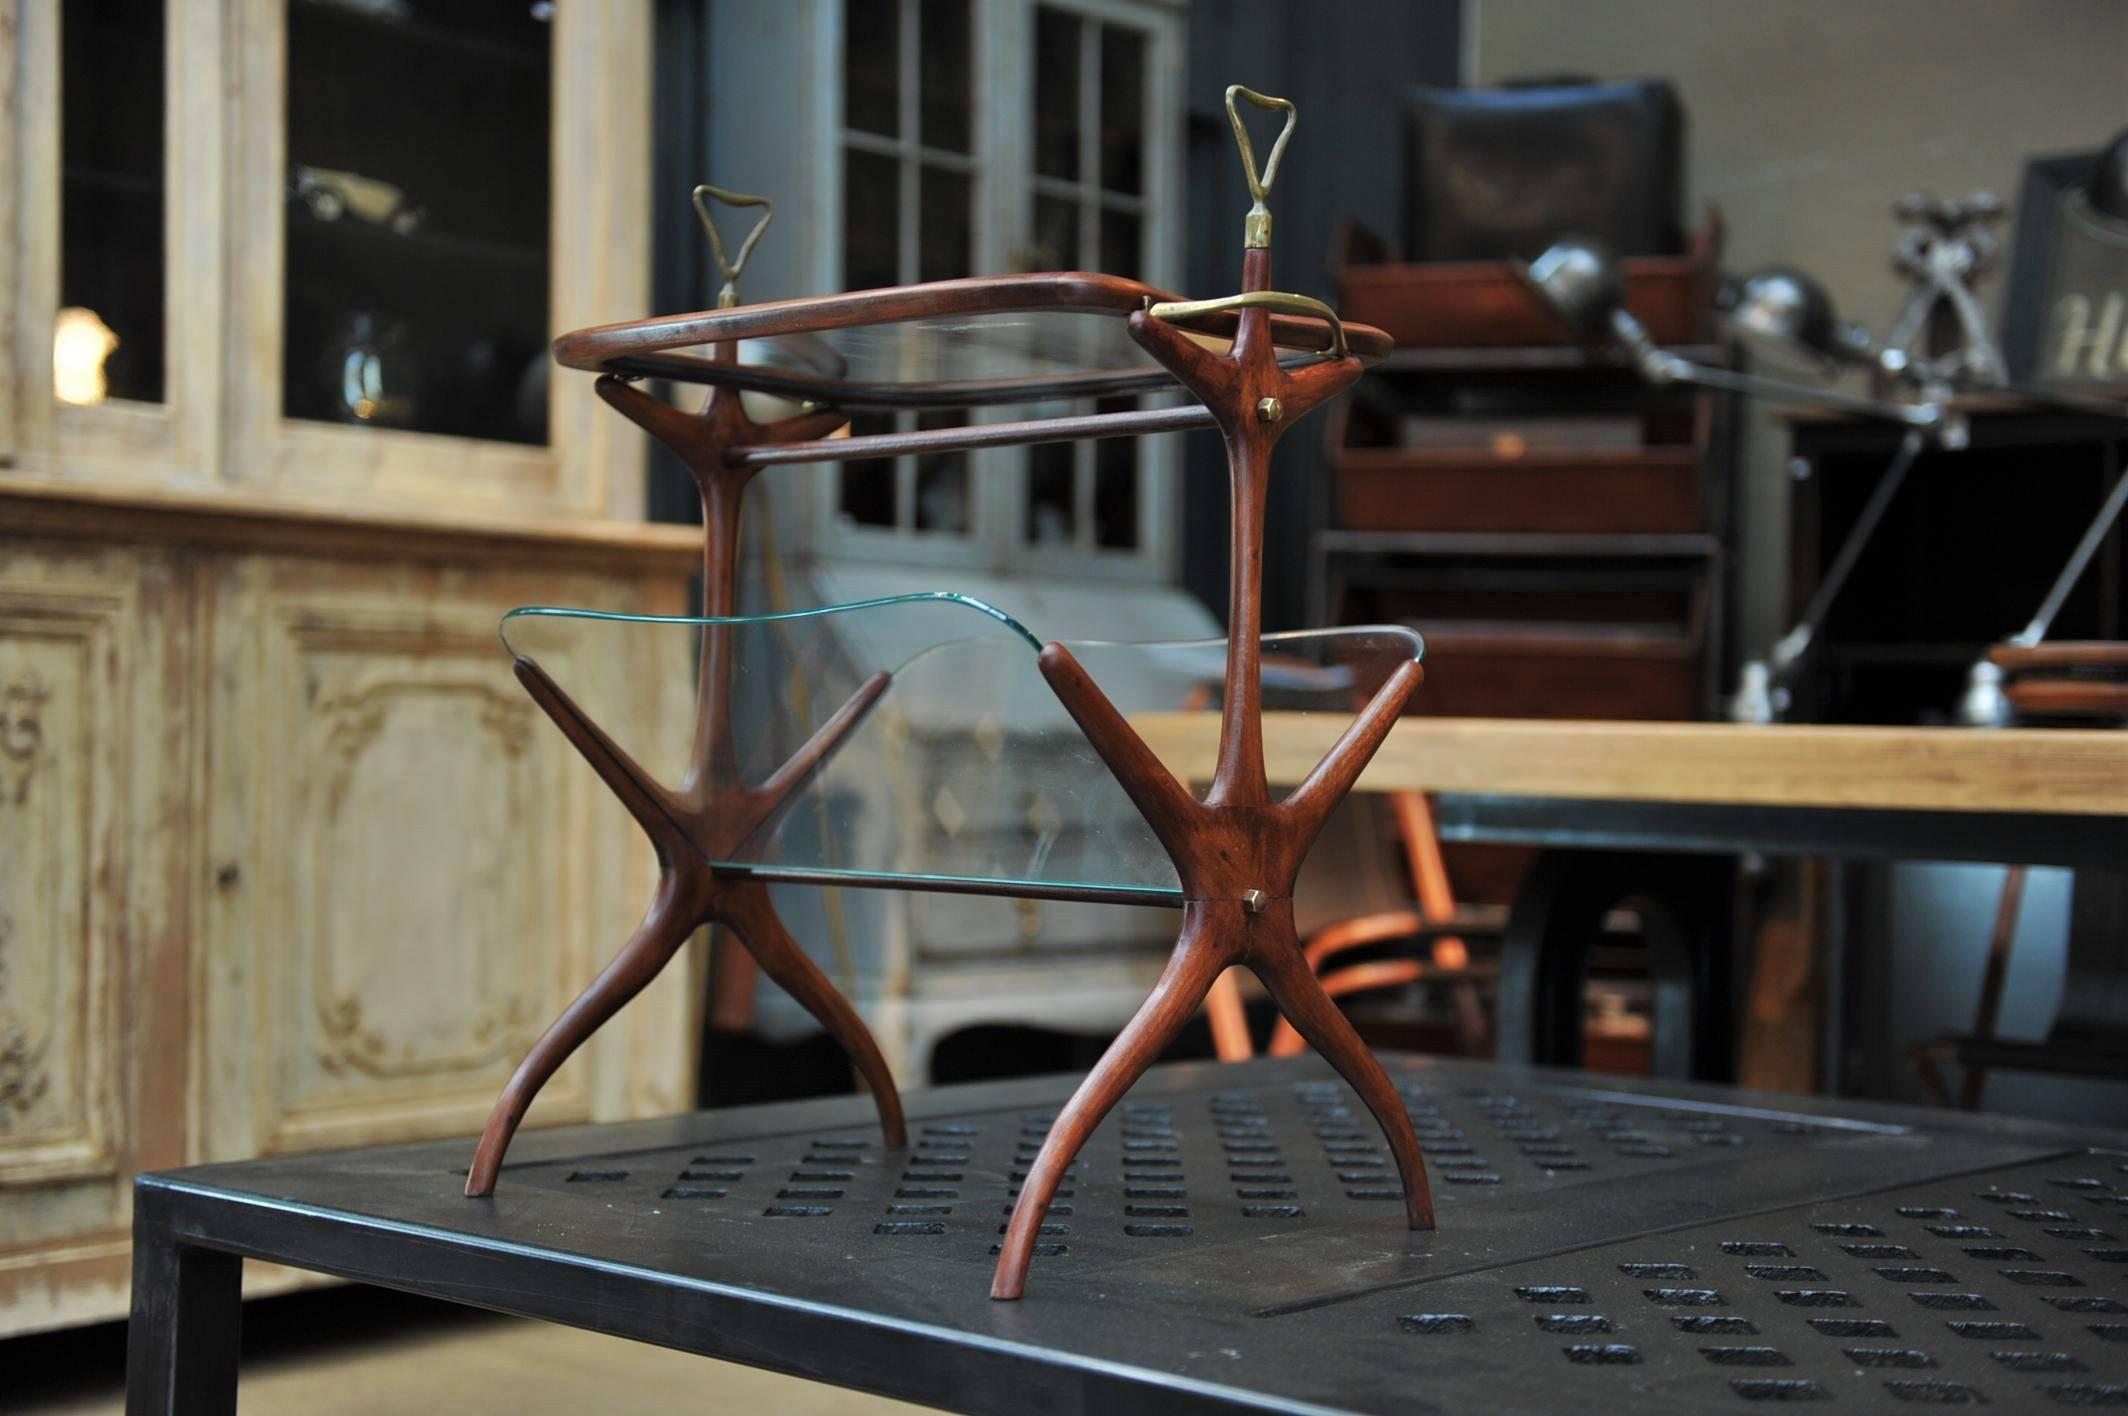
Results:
<point x="1984" y="703"/>
<point x="1583" y="286"/>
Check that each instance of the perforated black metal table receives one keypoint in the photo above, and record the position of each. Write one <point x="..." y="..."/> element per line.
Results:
<point x="1230" y="1241"/>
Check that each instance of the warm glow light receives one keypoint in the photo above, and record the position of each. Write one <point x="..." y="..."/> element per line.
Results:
<point x="1451" y="954"/>
<point x="81" y="341"/>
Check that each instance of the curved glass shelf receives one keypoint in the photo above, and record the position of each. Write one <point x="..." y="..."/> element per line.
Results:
<point x="964" y="773"/>
<point x="946" y="344"/>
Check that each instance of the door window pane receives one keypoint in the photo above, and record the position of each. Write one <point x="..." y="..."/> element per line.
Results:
<point x="1056" y="232"/>
<point x="871" y="66"/>
<point x="944" y="248"/>
<point x="416" y="282"/>
<point x="1119" y="244"/>
<point x="1116" y="485"/>
<point x="1056" y="94"/>
<point x="1051" y="510"/>
<point x="1122" y="109"/>
<point x="108" y="339"/>
<point x="871" y="220"/>
<point x="942" y="502"/>
<point x="868" y="487"/>
<point x="943" y="84"/>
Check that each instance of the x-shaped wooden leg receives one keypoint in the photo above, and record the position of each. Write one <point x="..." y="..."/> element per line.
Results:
<point x="712" y="811"/>
<point x="1237" y="852"/>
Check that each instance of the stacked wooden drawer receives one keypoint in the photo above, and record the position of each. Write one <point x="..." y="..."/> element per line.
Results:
<point x="1554" y="525"/>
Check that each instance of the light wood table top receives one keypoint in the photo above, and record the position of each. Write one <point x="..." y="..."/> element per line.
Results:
<point x="2005" y="770"/>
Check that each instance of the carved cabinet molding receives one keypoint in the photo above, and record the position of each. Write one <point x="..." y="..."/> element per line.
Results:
<point x="288" y="861"/>
<point x="93" y="908"/>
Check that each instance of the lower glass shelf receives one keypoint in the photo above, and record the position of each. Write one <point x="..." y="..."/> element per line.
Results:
<point x="954" y="767"/>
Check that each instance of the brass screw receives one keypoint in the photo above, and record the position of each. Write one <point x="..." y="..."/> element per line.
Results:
<point x="1253" y="901"/>
<point x="1269" y="410"/>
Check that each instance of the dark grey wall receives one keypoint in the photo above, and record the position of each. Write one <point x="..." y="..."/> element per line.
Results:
<point x="1346" y="66"/>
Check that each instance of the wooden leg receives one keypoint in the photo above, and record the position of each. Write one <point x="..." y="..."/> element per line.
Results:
<point x="1299" y="995"/>
<point x="673" y="915"/>
<point x="1210" y="941"/>
<point x="181" y="1346"/>
<point x="745" y="906"/>
<point x="1229" y="1019"/>
<point x="1334" y="939"/>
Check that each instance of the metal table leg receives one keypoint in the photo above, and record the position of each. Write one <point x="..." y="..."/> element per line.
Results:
<point x="181" y="1346"/>
<point x="1687" y="905"/>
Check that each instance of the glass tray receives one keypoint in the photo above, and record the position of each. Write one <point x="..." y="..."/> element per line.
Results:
<point x="947" y="344"/>
<point x="965" y="773"/>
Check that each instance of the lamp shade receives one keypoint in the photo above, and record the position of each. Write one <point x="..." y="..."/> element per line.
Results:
<point x="1581" y="283"/>
<point x="1784" y="306"/>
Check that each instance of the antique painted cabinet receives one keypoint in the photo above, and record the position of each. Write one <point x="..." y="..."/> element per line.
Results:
<point x="287" y="861"/>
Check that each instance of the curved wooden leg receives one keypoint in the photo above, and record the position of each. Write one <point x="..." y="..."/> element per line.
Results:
<point x="1210" y="941"/>
<point x="1300" y="997"/>
<point x="1334" y="939"/>
<point x="745" y="906"/>
<point x="674" y="913"/>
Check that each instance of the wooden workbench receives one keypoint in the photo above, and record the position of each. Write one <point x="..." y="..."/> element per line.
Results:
<point x="2008" y="770"/>
<point x="1606" y="790"/>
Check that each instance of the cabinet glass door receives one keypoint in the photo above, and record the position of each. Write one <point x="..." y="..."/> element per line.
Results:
<point x="416" y="269"/>
<point x="111" y="290"/>
<point x="107" y="335"/>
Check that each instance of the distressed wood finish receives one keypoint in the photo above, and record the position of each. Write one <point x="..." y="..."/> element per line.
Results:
<point x="120" y="441"/>
<point x="237" y="790"/>
<point x="1238" y="851"/>
<point x="95" y="759"/>
<point x="255" y="734"/>
<point x="599" y="268"/>
<point x="712" y="810"/>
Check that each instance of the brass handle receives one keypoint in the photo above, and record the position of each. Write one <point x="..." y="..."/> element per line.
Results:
<point x="729" y="295"/>
<point x="1256" y="230"/>
<point x="1278" y="301"/>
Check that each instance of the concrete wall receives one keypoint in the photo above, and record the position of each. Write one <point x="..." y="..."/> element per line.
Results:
<point x="1807" y="117"/>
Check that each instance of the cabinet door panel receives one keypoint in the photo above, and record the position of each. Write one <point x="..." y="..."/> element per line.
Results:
<point x="92" y="911"/>
<point x="414" y="872"/>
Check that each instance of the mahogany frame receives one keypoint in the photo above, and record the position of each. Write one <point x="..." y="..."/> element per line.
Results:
<point x="712" y="810"/>
<point x="1237" y="852"/>
<point x="654" y="348"/>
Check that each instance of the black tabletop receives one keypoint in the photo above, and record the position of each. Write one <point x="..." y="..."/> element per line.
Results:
<point x="1231" y="1240"/>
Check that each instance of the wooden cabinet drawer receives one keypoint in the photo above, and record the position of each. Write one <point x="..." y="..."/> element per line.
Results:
<point x="1649" y="490"/>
